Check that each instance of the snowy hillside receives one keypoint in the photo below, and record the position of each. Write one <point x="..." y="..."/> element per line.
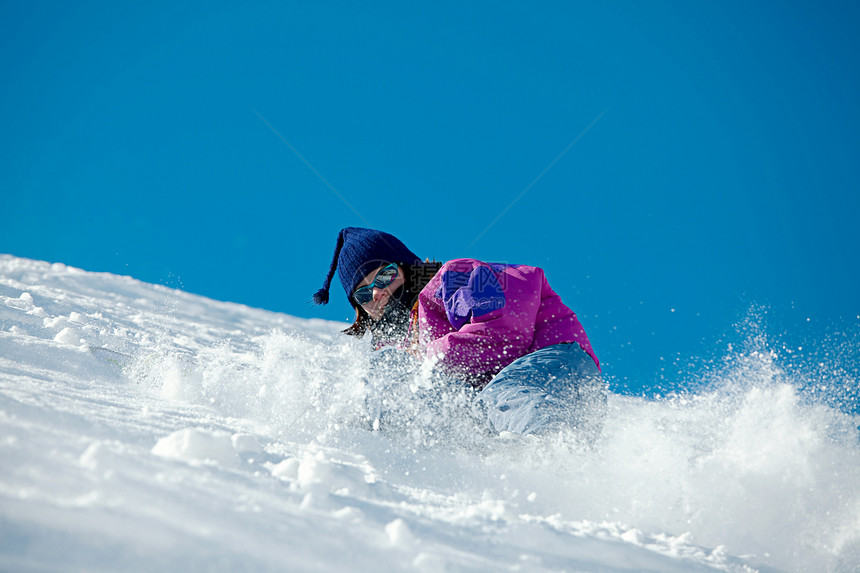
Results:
<point x="147" y="429"/>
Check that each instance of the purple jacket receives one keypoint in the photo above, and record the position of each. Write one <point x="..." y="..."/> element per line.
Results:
<point x="479" y="317"/>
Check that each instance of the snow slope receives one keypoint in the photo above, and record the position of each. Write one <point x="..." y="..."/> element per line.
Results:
<point x="207" y="436"/>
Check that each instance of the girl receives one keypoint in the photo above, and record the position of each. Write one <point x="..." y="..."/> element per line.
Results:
<point x="498" y="326"/>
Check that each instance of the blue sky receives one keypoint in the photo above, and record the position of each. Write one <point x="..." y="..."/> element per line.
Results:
<point x="671" y="165"/>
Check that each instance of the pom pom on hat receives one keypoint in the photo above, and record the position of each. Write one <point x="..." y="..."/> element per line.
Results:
<point x="321" y="296"/>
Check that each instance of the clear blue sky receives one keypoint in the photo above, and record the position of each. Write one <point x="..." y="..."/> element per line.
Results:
<point x="714" y="165"/>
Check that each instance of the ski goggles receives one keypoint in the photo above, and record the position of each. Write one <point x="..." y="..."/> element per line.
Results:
<point x="383" y="278"/>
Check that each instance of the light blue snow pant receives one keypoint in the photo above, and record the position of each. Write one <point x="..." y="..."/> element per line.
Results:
<point x="556" y="387"/>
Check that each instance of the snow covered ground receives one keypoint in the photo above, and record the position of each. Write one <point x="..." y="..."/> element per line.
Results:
<point x="147" y="429"/>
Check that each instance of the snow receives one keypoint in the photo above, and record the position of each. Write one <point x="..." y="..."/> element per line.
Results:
<point x="144" y="428"/>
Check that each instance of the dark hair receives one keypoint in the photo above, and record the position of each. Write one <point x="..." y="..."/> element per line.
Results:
<point x="361" y="323"/>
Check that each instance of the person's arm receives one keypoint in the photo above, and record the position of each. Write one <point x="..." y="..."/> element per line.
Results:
<point x="475" y="323"/>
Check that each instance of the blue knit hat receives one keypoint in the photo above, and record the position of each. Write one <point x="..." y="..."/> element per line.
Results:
<point x="357" y="252"/>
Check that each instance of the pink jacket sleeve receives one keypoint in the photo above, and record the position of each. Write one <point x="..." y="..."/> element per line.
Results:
<point x="476" y="317"/>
